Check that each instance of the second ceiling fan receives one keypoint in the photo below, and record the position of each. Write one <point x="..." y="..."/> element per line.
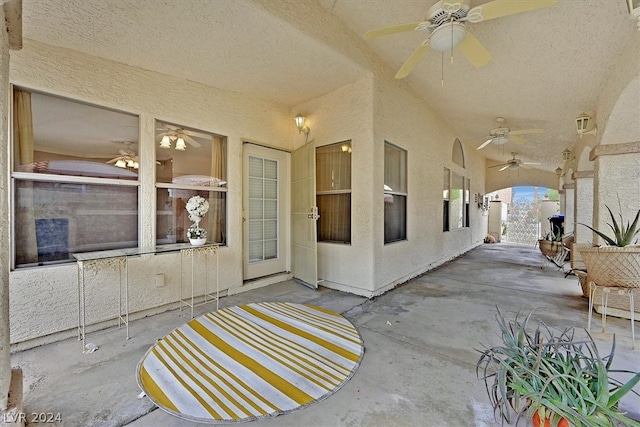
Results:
<point x="502" y="134"/>
<point x="446" y="25"/>
<point x="513" y="164"/>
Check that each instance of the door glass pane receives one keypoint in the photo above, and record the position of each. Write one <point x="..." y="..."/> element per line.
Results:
<point x="263" y="209"/>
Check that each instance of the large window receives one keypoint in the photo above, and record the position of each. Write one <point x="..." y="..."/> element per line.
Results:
<point x="189" y="162"/>
<point x="333" y="192"/>
<point x="395" y="193"/>
<point x="74" y="177"/>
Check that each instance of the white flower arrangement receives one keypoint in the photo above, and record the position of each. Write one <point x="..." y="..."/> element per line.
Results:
<point x="196" y="232"/>
<point x="197" y="206"/>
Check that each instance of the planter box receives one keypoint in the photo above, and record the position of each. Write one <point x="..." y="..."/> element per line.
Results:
<point x="549" y="247"/>
<point x="614" y="267"/>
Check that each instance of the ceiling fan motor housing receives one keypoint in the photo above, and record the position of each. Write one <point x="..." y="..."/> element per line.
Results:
<point x="442" y="12"/>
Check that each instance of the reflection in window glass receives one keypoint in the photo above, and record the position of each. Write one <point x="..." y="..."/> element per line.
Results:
<point x="189" y="162"/>
<point x="59" y="136"/>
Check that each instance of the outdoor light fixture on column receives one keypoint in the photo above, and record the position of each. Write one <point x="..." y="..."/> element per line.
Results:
<point x="566" y="154"/>
<point x="583" y="122"/>
<point x="559" y="171"/>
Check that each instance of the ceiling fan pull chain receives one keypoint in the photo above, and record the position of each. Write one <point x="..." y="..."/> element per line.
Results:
<point x="442" y="69"/>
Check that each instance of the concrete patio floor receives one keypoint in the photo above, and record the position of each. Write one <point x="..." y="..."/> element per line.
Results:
<point x="421" y="342"/>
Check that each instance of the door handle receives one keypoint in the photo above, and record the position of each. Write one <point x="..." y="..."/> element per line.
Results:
<point x="313" y="214"/>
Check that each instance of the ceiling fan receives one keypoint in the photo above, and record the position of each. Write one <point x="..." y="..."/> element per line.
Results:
<point x="513" y="164"/>
<point x="446" y="25"/>
<point x="127" y="157"/>
<point x="173" y="134"/>
<point x="501" y="134"/>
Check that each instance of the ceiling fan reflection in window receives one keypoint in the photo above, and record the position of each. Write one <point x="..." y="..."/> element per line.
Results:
<point x="178" y="136"/>
<point x="513" y="164"/>
<point x="127" y="158"/>
<point x="446" y="22"/>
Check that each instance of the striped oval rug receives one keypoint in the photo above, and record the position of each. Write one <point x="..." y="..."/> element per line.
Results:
<point x="250" y="361"/>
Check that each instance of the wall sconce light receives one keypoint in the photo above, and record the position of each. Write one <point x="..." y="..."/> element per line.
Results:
<point x="582" y="125"/>
<point x="300" y="124"/>
<point x="559" y="171"/>
<point x="566" y="154"/>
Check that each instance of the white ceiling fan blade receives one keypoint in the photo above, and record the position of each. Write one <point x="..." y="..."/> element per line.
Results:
<point x="484" y="144"/>
<point x="412" y="61"/>
<point x="526" y="131"/>
<point x="396" y="29"/>
<point x="499" y="8"/>
<point x="505" y="167"/>
<point x="474" y="51"/>
<point x="191" y="141"/>
<point x="517" y="139"/>
<point x="196" y="134"/>
<point x="529" y="163"/>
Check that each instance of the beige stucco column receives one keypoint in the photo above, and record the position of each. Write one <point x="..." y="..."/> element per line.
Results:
<point x="10" y="38"/>
<point x="583" y="205"/>
<point x="5" y="358"/>
<point x="616" y="182"/>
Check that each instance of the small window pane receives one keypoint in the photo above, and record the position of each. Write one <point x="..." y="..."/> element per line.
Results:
<point x="202" y="162"/>
<point x="395" y="168"/>
<point x="270" y="169"/>
<point x="334" y="224"/>
<point x="173" y="219"/>
<point x="53" y="220"/>
<point x="60" y="136"/>
<point x="255" y="188"/>
<point x="395" y="214"/>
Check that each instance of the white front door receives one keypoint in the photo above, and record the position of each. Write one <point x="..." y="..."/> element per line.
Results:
<point x="304" y="216"/>
<point x="265" y="216"/>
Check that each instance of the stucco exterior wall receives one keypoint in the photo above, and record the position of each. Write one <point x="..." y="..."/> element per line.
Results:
<point x="405" y="121"/>
<point x="346" y="115"/>
<point x="44" y="300"/>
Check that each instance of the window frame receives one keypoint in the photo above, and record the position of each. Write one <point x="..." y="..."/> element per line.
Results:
<point x="403" y="192"/>
<point x="209" y="189"/>
<point x="17" y="176"/>
<point x="337" y="192"/>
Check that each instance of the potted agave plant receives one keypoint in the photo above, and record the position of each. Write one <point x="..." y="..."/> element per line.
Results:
<point x="617" y="263"/>
<point x="553" y="377"/>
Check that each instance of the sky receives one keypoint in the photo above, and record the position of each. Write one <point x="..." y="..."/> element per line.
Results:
<point x="527" y="193"/>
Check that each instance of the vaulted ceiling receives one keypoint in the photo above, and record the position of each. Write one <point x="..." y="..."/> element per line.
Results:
<point x="548" y="65"/>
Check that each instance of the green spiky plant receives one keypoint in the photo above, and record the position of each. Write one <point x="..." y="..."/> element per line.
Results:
<point x="554" y="373"/>
<point x="623" y="235"/>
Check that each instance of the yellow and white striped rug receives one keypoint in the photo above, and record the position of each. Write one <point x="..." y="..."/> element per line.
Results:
<point x="250" y="361"/>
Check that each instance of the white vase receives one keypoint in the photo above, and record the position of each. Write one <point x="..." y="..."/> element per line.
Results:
<point x="197" y="242"/>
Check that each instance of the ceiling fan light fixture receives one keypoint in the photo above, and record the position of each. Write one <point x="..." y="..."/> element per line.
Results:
<point x="513" y="166"/>
<point x="180" y="145"/>
<point x="166" y="142"/>
<point x="121" y="163"/>
<point x="447" y="36"/>
<point x="500" y="140"/>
